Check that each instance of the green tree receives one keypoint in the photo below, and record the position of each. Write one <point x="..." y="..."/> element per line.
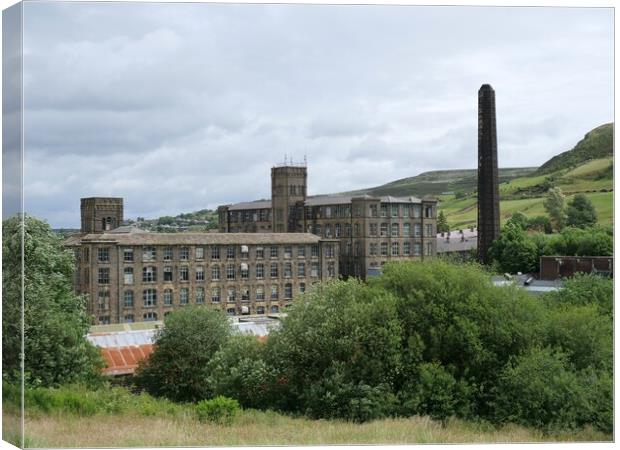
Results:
<point x="580" y="212"/>
<point x="555" y="206"/>
<point x="519" y="219"/>
<point x="178" y="368"/>
<point x="55" y="319"/>
<point x="339" y="341"/>
<point x="540" y="223"/>
<point x="442" y="223"/>
<point x="513" y="251"/>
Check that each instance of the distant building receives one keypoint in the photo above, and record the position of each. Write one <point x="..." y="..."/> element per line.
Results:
<point x="557" y="267"/>
<point x="528" y="283"/>
<point x="131" y="275"/>
<point x="461" y="244"/>
<point x="371" y="230"/>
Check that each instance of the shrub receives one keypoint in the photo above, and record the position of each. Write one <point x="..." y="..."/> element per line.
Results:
<point x="220" y="410"/>
<point x="178" y="367"/>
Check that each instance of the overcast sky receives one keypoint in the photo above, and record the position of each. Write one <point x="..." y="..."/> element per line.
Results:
<point x="179" y="107"/>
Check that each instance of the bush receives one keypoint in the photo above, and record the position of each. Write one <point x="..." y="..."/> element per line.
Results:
<point x="220" y="410"/>
<point x="585" y="289"/>
<point x="178" y="367"/>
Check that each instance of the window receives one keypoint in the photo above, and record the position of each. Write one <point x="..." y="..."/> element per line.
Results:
<point x="384" y="229"/>
<point x="168" y="273"/>
<point x="337" y="230"/>
<point x="149" y="316"/>
<point x="329" y="251"/>
<point x="301" y="251"/>
<point x="383" y="210"/>
<point x="274" y="292"/>
<point x="104" y="320"/>
<point x="149" y="274"/>
<point x="417" y="211"/>
<point x="200" y="273"/>
<point x="183" y="296"/>
<point x="384" y="249"/>
<point x="183" y="273"/>
<point x="103" y="300"/>
<point x="395" y="230"/>
<point x="417" y="249"/>
<point x="347" y="248"/>
<point x="260" y="270"/>
<point x="245" y="294"/>
<point x="428" y="212"/>
<point x="429" y="229"/>
<point x="331" y="269"/>
<point x="167" y="253"/>
<point x="395" y="249"/>
<point x="245" y="251"/>
<point x="302" y="287"/>
<point x="373" y="229"/>
<point x="260" y="252"/>
<point x="200" y="253"/>
<point x="128" y="254"/>
<point x="149" y="253"/>
<point x="230" y="272"/>
<point x="260" y="310"/>
<point x="128" y="275"/>
<point x="149" y="296"/>
<point x="328" y="231"/>
<point x="373" y="211"/>
<point x="315" y="251"/>
<point x="215" y="273"/>
<point x="215" y="252"/>
<point x="230" y="252"/>
<point x="406" y="248"/>
<point x="347" y="229"/>
<point x="128" y="299"/>
<point x="184" y="253"/>
<point x="394" y="210"/>
<point x="231" y="311"/>
<point x="104" y="275"/>
<point x="288" y="291"/>
<point x="429" y="248"/>
<point x="288" y="270"/>
<point x="103" y="254"/>
<point x="301" y="269"/>
<point x="373" y="249"/>
<point x="200" y="295"/>
<point x="406" y="229"/>
<point x="273" y="251"/>
<point x="317" y="230"/>
<point x="215" y="295"/>
<point x="260" y="293"/>
<point x="406" y="210"/>
<point x="274" y="309"/>
<point x="417" y="230"/>
<point x="167" y="297"/>
<point x="231" y="295"/>
<point x="314" y="271"/>
<point x="128" y="318"/>
<point x="274" y="270"/>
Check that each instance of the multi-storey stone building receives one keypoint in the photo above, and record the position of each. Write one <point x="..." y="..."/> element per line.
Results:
<point x="371" y="230"/>
<point x="134" y="275"/>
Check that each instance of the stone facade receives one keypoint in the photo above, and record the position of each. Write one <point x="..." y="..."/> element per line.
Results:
<point x="371" y="230"/>
<point x="488" y="184"/>
<point x="133" y="275"/>
<point x="101" y="214"/>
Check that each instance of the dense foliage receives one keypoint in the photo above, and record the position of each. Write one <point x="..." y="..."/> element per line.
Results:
<point x="178" y="367"/>
<point x="580" y="212"/>
<point x="55" y="319"/>
<point x="433" y="338"/>
<point x="555" y="205"/>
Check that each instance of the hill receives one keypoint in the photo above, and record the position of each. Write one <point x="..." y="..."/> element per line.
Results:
<point x="598" y="143"/>
<point x="439" y="182"/>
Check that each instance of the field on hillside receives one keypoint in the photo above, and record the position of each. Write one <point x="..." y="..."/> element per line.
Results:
<point x="262" y="428"/>
<point x="463" y="213"/>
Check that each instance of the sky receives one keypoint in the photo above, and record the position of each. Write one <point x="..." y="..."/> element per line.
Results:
<point x="179" y="107"/>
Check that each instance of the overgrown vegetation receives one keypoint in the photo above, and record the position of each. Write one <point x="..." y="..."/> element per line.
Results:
<point x="424" y="339"/>
<point x="55" y="319"/>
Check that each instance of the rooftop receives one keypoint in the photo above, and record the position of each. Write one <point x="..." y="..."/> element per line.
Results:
<point x="320" y="200"/>
<point x="456" y="241"/>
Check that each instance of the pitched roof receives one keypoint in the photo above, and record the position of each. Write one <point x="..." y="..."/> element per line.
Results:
<point x="150" y="238"/>
<point x="320" y="200"/>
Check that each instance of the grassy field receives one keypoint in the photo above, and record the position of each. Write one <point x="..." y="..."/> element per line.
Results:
<point x="463" y="213"/>
<point x="262" y="428"/>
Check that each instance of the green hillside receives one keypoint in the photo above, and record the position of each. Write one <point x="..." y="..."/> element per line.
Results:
<point x="596" y="144"/>
<point x="439" y="182"/>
